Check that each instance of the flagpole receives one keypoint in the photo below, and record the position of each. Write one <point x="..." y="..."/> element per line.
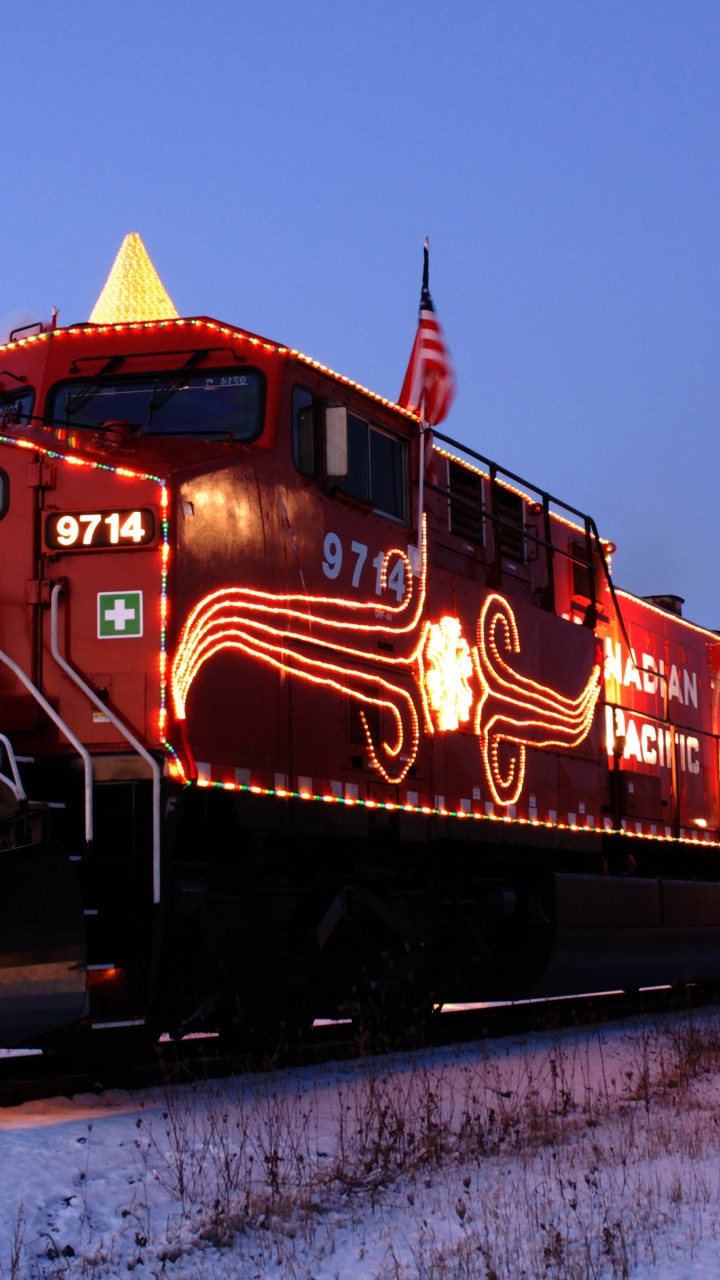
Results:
<point x="421" y="481"/>
<point x="428" y="387"/>
<point x="423" y="424"/>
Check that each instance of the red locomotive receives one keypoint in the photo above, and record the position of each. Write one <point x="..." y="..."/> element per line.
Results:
<point x="286" y="725"/>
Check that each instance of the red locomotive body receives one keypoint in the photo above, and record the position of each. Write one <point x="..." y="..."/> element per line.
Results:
<point x="284" y="726"/>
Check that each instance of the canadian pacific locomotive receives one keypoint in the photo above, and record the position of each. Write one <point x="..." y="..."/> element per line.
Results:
<point x="295" y="716"/>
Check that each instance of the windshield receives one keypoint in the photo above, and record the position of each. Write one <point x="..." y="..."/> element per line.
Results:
<point x="225" y="405"/>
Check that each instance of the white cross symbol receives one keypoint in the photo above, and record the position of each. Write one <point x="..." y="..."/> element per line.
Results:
<point x="119" y="614"/>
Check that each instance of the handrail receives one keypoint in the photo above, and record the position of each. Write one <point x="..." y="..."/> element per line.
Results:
<point x="64" y="728"/>
<point x="509" y="475"/>
<point x="14" y="783"/>
<point x="121" y="728"/>
<point x="494" y="475"/>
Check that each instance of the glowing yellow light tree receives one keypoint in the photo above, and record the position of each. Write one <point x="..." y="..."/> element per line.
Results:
<point x="133" y="291"/>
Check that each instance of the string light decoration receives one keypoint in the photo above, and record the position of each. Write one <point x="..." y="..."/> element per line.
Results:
<point x="311" y="637"/>
<point x="446" y="669"/>
<point x="514" y="712"/>
<point x="695" y="836"/>
<point x="74" y="460"/>
<point x="712" y="636"/>
<point x="164" y="608"/>
<point x="241" y="336"/>
<point x="133" y="290"/>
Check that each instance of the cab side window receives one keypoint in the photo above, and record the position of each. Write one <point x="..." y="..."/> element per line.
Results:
<point x="304" y="432"/>
<point x="17" y="405"/>
<point x="376" y="468"/>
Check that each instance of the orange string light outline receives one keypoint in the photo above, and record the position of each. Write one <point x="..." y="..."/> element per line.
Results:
<point x="265" y="602"/>
<point x="213" y="326"/>
<point x="220" y="621"/>
<point x="206" y="615"/>
<point x="553" y="720"/>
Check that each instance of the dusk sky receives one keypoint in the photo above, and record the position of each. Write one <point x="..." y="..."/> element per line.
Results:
<point x="283" y="161"/>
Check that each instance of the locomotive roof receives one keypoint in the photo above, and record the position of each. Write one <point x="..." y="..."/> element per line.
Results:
<point x="244" y="337"/>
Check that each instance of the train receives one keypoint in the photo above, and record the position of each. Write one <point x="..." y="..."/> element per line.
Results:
<point x="305" y="715"/>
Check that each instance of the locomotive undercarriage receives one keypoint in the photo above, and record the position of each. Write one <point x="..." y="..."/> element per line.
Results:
<point x="278" y="917"/>
<point x="272" y="915"/>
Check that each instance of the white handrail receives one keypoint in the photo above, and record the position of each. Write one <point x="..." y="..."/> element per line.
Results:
<point x="75" y="742"/>
<point x="121" y="728"/>
<point x="14" y="783"/>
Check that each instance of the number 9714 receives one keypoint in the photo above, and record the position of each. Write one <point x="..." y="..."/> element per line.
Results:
<point x="78" y="530"/>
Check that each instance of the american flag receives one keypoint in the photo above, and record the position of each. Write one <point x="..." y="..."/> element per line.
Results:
<point x="429" y="386"/>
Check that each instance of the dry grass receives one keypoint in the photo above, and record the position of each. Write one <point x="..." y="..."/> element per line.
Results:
<point x="570" y="1163"/>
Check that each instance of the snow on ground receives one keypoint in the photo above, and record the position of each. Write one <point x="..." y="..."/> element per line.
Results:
<point x="590" y="1153"/>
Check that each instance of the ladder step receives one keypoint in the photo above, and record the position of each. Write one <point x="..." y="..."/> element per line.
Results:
<point x="110" y="1026"/>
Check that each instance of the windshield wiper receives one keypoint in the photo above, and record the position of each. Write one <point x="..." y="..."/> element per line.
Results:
<point x="89" y="389"/>
<point x="164" y="391"/>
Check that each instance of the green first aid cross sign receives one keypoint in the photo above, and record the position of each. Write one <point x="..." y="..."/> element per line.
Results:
<point x="120" y="614"/>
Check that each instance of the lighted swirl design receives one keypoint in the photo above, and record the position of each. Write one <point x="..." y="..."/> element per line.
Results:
<point x="311" y="637"/>
<point x="514" y="712"/>
<point x="318" y="639"/>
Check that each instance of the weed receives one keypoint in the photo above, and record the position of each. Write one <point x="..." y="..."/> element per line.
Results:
<point x="561" y="1162"/>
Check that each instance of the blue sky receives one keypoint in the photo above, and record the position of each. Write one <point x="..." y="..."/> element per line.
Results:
<point x="283" y="162"/>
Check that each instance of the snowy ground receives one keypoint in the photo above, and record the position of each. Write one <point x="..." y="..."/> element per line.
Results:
<point x="583" y="1154"/>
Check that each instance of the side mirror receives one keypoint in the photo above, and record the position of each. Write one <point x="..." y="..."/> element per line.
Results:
<point x="336" y="442"/>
